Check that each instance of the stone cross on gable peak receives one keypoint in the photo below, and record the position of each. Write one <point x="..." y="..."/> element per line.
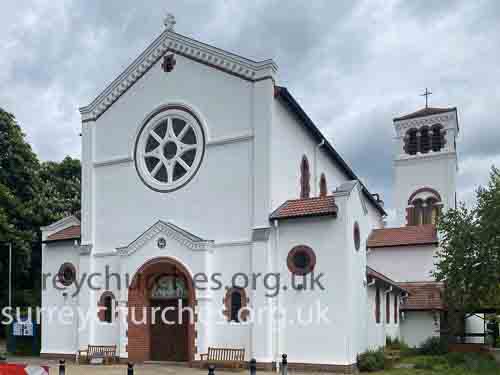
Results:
<point x="169" y="22"/>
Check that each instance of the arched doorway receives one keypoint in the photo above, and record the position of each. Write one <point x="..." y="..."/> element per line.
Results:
<point x="156" y="329"/>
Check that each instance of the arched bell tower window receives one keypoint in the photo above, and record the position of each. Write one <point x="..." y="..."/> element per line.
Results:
<point x="424" y="207"/>
<point x="425" y="140"/>
<point x="411" y="145"/>
<point x="437" y="137"/>
<point x="305" y="177"/>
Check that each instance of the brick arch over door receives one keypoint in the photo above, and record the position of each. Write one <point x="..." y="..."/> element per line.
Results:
<point x="424" y="190"/>
<point x="139" y="335"/>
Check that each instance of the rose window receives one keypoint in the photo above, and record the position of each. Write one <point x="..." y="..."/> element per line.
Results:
<point x="169" y="149"/>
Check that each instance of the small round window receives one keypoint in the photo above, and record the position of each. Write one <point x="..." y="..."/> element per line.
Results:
<point x="169" y="149"/>
<point x="301" y="260"/>
<point x="67" y="274"/>
<point x="357" y="236"/>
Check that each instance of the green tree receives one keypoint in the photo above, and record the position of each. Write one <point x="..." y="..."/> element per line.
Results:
<point x="58" y="190"/>
<point x="469" y="257"/>
<point x="32" y="194"/>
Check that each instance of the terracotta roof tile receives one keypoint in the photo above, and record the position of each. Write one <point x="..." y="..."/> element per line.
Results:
<point x="423" y="296"/>
<point x="70" y="233"/>
<point x="372" y="274"/>
<point x="319" y="206"/>
<point x="403" y="236"/>
<point x="425" y="112"/>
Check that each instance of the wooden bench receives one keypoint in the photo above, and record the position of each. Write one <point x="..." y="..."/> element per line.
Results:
<point x="108" y="352"/>
<point x="225" y="357"/>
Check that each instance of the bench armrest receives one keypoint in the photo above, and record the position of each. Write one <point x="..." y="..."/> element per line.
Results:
<point x="204" y="356"/>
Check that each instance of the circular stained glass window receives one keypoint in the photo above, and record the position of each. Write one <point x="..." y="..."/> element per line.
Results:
<point x="169" y="149"/>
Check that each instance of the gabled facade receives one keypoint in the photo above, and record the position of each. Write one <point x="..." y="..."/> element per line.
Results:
<point x="197" y="168"/>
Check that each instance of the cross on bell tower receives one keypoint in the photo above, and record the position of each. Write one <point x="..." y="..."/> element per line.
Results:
<point x="426" y="94"/>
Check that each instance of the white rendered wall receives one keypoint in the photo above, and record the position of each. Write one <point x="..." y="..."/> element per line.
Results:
<point x="436" y="171"/>
<point x="326" y="342"/>
<point x="60" y="318"/>
<point x="290" y="140"/>
<point x="404" y="263"/>
<point x="378" y="332"/>
<point x="417" y="326"/>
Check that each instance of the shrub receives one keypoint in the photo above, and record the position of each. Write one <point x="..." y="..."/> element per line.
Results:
<point x="371" y="360"/>
<point x="479" y="362"/>
<point x="434" y="346"/>
<point x="455" y="359"/>
<point x="430" y="362"/>
<point x="399" y="344"/>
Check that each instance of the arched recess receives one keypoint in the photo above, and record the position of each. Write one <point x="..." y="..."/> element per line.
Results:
<point x="139" y="302"/>
<point x="424" y="190"/>
<point x="424" y="207"/>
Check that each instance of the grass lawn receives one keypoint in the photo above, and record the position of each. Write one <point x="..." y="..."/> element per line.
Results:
<point x="450" y="364"/>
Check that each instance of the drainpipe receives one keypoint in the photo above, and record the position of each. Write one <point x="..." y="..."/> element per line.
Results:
<point x="318" y="146"/>
<point x="277" y="302"/>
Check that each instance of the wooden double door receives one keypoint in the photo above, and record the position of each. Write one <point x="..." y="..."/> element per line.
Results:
<point x="169" y="333"/>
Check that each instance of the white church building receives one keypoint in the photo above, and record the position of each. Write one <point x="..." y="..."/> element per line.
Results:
<point x="205" y="182"/>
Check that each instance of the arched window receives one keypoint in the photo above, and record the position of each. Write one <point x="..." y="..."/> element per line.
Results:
<point x="357" y="236"/>
<point x="323" y="190"/>
<point x="396" y="313"/>
<point x="424" y="207"/>
<point x="432" y="211"/>
<point x="437" y="139"/>
<point x="305" y="176"/>
<point x="411" y="143"/>
<point x="425" y="140"/>
<point x="235" y="303"/>
<point x="388" y="308"/>
<point x="418" y="212"/>
<point x="105" y="305"/>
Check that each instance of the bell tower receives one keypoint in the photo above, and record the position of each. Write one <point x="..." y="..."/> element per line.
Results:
<point x="425" y="164"/>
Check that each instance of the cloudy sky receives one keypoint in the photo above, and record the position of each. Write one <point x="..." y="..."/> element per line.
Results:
<point x="353" y="66"/>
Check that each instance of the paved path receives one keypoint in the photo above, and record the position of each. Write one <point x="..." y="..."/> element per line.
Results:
<point x="142" y="369"/>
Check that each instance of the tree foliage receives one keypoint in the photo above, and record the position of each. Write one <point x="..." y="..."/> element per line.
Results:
<point x="469" y="257"/>
<point x="32" y="194"/>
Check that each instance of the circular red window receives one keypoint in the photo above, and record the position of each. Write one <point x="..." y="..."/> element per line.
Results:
<point x="301" y="260"/>
<point x="357" y="236"/>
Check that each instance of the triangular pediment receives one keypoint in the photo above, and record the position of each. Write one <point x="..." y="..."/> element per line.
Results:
<point x="169" y="230"/>
<point x="171" y="42"/>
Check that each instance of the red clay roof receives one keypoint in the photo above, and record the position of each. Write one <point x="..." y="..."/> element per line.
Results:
<point x="372" y="274"/>
<point x="403" y="236"/>
<point x="70" y="233"/>
<point x="425" y="112"/>
<point x="319" y="206"/>
<point x="423" y="296"/>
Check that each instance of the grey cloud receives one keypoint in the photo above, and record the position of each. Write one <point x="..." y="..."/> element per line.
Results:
<point x="352" y="65"/>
